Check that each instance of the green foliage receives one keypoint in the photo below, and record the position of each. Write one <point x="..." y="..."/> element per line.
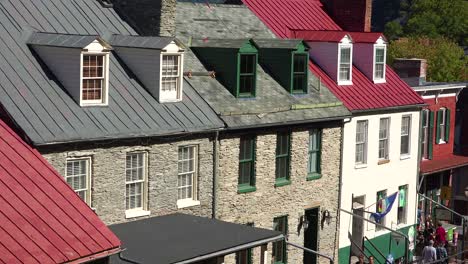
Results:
<point x="445" y="59"/>
<point x="393" y="30"/>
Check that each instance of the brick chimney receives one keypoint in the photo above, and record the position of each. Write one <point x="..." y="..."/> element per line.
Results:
<point x="351" y="15"/>
<point x="412" y="71"/>
<point x="149" y="17"/>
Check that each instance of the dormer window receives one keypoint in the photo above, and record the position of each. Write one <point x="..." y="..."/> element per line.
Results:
<point x="170" y="77"/>
<point x="247" y="74"/>
<point x="93" y="79"/>
<point x="379" y="63"/>
<point x="300" y="73"/>
<point x="345" y="57"/>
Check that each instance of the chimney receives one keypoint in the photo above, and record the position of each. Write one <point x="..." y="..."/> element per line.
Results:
<point x="412" y="71"/>
<point x="148" y="17"/>
<point x="351" y="15"/>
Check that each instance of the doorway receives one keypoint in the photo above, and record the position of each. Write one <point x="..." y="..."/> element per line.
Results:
<point x="311" y="235"/>
<point x="358" y="224"/>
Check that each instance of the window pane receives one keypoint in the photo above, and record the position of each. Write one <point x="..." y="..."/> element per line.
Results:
<point x="246" y="85"/>
<point x="379" y="71"/>
<point x="279" y="248"/>
<point x="246" y="164"/>
<point x="186" y="172"/>
<point x="248" y="63"/>
<point x="299" y="82"/>
<point x="77" y="177"/>
<point x="345" y="55"/>
<point x="361" y="141"/>
<point x="345" y="72"/>
<point x="379" y="55"/>
<point x="134" y="179"/>
<point x="93" y="77"/>
<point x="300" y="63"/>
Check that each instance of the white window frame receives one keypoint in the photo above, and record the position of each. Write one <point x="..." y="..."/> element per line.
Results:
<point x="192" y="201"/>
<point x="374" y="78"/>
<point x="345" y="43"/>
<point x="143" y="210"/>
<point x="88" y="163"/>
<point x="363" y="143"/>
<point x="408" y="135"/>
<point x="425" y="135"/>
<point x="180" y="79"/>
<point x="105" y="78"/>
<point x="385" y="139"/>
<point x="442" y="125"/>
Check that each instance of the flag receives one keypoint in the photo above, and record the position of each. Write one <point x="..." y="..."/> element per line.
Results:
<point x="386" y="205"/>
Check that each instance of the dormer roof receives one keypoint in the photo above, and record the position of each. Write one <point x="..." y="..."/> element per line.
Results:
<point x="291" y="44"/>
<point x="64" y="40"/>
<point x="367" y="37"/>
<point x="142" y="42"/>
<point x="322" y="35"/>
<point x="220" y="43"/>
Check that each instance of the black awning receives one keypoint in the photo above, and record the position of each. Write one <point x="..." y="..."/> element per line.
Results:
<point x="181" y="238"/>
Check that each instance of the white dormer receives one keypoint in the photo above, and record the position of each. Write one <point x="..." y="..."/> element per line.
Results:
<point x="333" y="52"/>
<point x="345" y="61"/>
<point x="79" y="62"/>
<point x="370" y="50"/>
<point x="156" y="61"/>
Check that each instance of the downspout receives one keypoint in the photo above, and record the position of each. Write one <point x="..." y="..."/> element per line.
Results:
<point x="340" y="182"/>
<point x="215" y="173"/>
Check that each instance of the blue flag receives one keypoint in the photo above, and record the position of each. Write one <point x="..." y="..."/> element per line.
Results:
<point x="388" y="202"/>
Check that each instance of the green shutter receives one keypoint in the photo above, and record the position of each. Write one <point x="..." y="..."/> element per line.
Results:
<point x="439" y="119"/>
<point x="447" y="125"/>
<point x="431" y="132"/>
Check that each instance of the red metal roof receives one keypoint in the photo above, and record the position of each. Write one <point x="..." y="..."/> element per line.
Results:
<point x="285" y="16"/>
<point x="366" y="37"/>
<point x="42" y="219"/>
<point x="315" y="35"/>
<point x="450" y="161"/>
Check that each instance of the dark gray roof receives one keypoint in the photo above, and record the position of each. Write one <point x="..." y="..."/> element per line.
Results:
<point x="180" y="237"/>
<point x="38" y="103"/>
<point x="278" y="43"/>
<point x="61" y="40"/>
<point x="219" y="43"/>
<point x="273" y="104"/>
<point x="140" y="41"/>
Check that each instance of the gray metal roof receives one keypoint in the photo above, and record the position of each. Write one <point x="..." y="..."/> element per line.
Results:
<point x="278" y="43"/>
<point x="273" y="104"/>
<point x="61" y="40"/>
<point x="38" y="103"/>
<point x="140" y="41"/>
<point x="219" y="43"/>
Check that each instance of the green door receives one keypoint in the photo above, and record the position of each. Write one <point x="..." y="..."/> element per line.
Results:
<point x="311" y="235"/>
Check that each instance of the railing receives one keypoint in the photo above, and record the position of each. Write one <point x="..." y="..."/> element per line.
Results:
<point x="357" y="246"/>
<point x="374" y="247"/>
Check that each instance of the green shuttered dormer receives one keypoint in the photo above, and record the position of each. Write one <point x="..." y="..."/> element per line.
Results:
<point x="234" y="61"/>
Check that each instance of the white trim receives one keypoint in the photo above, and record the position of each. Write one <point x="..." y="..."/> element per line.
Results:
<point x="144" y="181"/>
<point x="105" y="82"/>
<point x="131" y="213"/>
<point x="180" y="76"/>
<point x="191" y="201"/>
<point x="409" y="135"/>
<point x="183" y="203"/>
<point x="88" y="160"/>
<point x="340" y="46"/>
<point x="379" y="80"/>
<point x="405" y="156"/>
<point x="439" y="96"/>
<point x="360" y="166"/>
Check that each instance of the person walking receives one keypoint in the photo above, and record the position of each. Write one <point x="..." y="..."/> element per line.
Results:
<point x="440" y="234"/>
<point x="442" y="253"/>
<point x="429" y="253"/>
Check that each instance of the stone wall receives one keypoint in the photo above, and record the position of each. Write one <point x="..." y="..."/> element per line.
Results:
<point x="149" y="17"/>
<point x="267" y="202"/>
<point x="108" y="175"/>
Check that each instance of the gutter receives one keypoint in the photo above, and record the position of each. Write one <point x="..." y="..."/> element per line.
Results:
<point x="100" y="255"/>
<point x="233" y="249"/>
<point x="393" y="108"/>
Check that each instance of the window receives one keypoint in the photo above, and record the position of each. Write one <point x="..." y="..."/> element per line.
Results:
<point x="443" y="126"/>
<point x="135" y="181"/>
<point x="279" y="248"/>
<point x="78" y="177"/>
<point x="379" y="63"/>
<point x="300" y="73"/>
<point x="361" y="142"/>
<point x="245" y="256"/>
<point x="93" y="79"/>
<point x="247" y="75"/>
<point x="171" y="77"/>
<point x="315" y="142"/>
<point x="383" y="138"/>
<point x="283" y="141"/>
<point x="405" y="135"/>
<point x="380" y="207"/>
<point x="345" y="64"/>
<point x="187" y="176"/>
<point x="426" y="137"/>
<point x="402" y="204"/>
<point x="247" y="164"/>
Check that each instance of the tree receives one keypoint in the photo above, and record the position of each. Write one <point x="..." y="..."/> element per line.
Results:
<point x="445" y="59"/>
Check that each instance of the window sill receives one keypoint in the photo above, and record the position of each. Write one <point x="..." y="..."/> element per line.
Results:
<point x="405" y="156"/>
<point x="313" y="176"/>
<point x="170" y="100"/>
<point x="379" y="81"/>
<point x="383" y="161"/>
<point x="246" y="189"/>
<point x="282" y="182"/>
<point x="136" y="213"/>
<point x="360" y="166"/>
<point x="187" y="203"/>
<point x="441" y="142"/>
<point x="345" y="82"/>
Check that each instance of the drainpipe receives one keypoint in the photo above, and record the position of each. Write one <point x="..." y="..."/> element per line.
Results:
<point x="215" y="172"/>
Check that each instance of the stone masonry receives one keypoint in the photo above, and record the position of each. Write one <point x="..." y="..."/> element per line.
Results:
<point x="267" y="202"/>
<point x="108" y="175"/>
